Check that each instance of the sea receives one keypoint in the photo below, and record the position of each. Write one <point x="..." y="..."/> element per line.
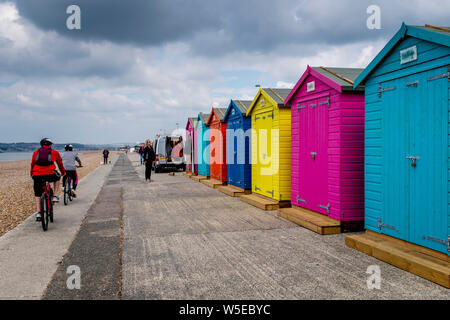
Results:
<point x="12" y="156"/>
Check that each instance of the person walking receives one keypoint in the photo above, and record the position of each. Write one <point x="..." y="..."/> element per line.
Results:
<point x="141" y="153"/>
<point x="105" y="156"/>
<point x="149" y="157"/>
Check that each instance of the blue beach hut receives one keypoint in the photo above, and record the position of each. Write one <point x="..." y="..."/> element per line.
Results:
<point x="203" y="140"/>
<point x="239" y="166"/>
<point x="407" y="127"/>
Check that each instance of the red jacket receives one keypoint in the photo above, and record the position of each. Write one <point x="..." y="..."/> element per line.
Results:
<point x="37" y="170"/>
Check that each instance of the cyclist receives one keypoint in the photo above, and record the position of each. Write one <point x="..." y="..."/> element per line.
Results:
<point x="68" y="158"/>
<point x="43" y="169"/>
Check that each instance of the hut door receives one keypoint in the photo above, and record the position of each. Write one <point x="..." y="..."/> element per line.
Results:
<point x="313" y="174"/>
<point x="427" y="96"/>
<point x="394" y="219"/>
<point x="235" y="172"/>
<point x="415" y="113"/>
<point x="264" y="183"/>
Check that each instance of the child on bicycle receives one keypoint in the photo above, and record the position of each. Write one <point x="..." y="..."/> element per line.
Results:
<point x="68" y="158"/>
<point x="43" y="169"/>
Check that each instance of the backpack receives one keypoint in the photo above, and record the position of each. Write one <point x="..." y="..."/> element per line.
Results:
<point x="44" y="157"/>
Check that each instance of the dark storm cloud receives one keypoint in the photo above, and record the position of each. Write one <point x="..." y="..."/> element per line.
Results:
<point x="136" y="21"/>
<point x="221" y="26"/>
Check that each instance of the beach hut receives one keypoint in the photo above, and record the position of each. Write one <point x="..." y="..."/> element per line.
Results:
<point x="271" y="149"/>
<point x="218" y="136"/>
<point x="203" y="138"/>
<point x="239" y="169"/>
<point x="194" y="141"/>
<point x="189" y="146"/>
<point x="407" y="143"/>
<point x="327" y="162"/>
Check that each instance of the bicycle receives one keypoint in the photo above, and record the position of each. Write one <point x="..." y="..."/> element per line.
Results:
<point x="68" y="191"/>
<point x="46" y="206"/>
<point x="68" y="195"/>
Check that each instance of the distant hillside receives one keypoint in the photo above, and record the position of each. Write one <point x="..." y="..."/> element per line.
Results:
<point x="31" y="146"/>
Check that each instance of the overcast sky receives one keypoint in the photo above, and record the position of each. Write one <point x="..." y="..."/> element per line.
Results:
<point x="137" y="67"/>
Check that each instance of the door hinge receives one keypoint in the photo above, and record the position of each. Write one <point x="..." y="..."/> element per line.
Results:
<point x="381" y="90"/>
<point x="440" y="76"/>
<point x="445" y="243"/>
<point x="383" y="225"/>
<point x="271" y="192"/>
<point x="256" y="188"/>
<point x="300" y="107"/>
<point x="325" y="102"/>
<point x="300" y="200"/>
<point x="412" y="84"/>
<point x="270" y="115"/>
<point x="327" y="207"/>
<point x="256" y="118"/>
<point x="313" y="105"/>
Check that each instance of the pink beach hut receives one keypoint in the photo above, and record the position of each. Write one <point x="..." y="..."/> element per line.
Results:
<point x="327" y="158"/>
<point x="191" y="150"/>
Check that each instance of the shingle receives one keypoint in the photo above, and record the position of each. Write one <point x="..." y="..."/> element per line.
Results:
<point x="435" y="29"/>
<point x="242" y="105"/>
<point x="278" y="94"/>
<point x="348" y="73"/>
<point x="221" y="113"/>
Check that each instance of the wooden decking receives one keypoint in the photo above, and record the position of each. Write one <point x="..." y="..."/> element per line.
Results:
<point x="424" y="262"/>
<point x="311" y="220"/>
<point x="264" y="203"/>
<point x="187" y="174"/>
<point x="234" y="191"/>
<point x="212" y="183"/>
<point x="199" y="178"/>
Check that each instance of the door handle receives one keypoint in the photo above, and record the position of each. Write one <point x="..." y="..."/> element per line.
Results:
<point x="413" y="160"/>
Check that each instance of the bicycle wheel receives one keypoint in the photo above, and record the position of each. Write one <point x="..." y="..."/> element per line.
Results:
<point x="50" y="207"/>
<point x="70" y="190"/>
<point x="44" y="212"/>
<point x="66" y="195"/>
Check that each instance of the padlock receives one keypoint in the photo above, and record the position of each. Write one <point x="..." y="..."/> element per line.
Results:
<point x="413" y="164"/>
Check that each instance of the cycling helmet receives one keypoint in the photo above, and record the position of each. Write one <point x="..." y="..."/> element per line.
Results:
<point x="46" y="142"/>
<point x="68" y="147"/>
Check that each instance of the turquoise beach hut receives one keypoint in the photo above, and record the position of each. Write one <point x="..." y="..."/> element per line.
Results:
<point x="203" y="140"/>
<point x="407" y="145"/>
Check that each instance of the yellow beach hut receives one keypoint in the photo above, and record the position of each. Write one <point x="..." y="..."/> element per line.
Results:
<point x="271" y="149"/>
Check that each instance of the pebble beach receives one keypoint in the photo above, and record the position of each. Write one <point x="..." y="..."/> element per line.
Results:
<point x="16" y="188"/>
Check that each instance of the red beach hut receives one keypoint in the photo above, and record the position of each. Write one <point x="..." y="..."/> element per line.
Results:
<point x="218" y="133"/>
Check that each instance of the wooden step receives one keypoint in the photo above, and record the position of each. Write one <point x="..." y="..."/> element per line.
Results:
<point x="263" y="202"/>
<point x="171" y="173"/>
<point x="212" y="183"/>
<point x="199" y="178"/>
<point x="311" y="220"/>
<point x="187" y="174"/>
<point x="234" y="191"/>
<point x="426" y="263"/>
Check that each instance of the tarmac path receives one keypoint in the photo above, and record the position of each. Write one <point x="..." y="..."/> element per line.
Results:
<point x="184" y="240"/>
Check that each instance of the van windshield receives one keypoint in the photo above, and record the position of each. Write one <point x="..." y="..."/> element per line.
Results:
<point x="166" y="145"/>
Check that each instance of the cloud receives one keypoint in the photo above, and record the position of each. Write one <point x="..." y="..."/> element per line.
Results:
<point x="138" y="67"/>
